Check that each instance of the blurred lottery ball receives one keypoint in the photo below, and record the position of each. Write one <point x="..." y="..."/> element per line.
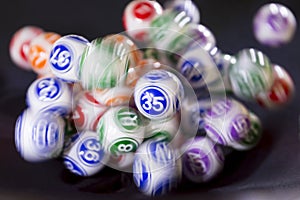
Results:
<point x="105" y="62"/>
<point x="250" y="73"/>
<point x="84" y="155"/>
<point x="274" y="25"/>
<point x="19" y="45"/>
<point x="202" y="159"/>
<point x="198" y="67"/>
<point x="65" y="55"/>
<point x="227" y="122"/>
<point x="39" y="136"/>
<point x="281" y="92"/>
<point x="156" y="170"/>
<point x="158" y="94"/>
<point x="121" y="130"/>
<point x="164" y="28"/>
<point x="186" y="6"/>
<point x="253" y="137"/>
<point x="88" y="112"/>
<point x="39" y="51"/>
<point x="137" y="17"/>
<point x="49" y="95"/>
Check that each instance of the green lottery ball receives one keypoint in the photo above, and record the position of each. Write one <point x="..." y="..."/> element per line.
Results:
<point x="250" y="74"/>
<point x="121" y="130"/>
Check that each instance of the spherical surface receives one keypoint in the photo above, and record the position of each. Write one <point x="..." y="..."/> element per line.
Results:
<point x="274" y="25"/>
<point x="156" y="169"/>
<point x="49" y="95"/>
<point x="137" y="17"/>
<point x="202" y="159"/>
<point x="250" y="73"/>
<point x="19" y="45"/>
<point x="84" y="155"/>
<point x="39" y="137"/>
<point x="158" y="94"/>
<point x="281" y="92"/>
<point x="65" y="55"/>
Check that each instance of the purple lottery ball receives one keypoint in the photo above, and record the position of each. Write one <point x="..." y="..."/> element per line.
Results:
<point x="274" y="24"/>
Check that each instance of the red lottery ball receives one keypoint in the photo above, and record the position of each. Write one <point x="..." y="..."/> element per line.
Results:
<point x="137" y="17"/>
<point x="281" y="92"/>
<point x="19" y="45"/>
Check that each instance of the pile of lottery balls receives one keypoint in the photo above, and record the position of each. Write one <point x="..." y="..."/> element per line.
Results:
<point x="159" y="100"/>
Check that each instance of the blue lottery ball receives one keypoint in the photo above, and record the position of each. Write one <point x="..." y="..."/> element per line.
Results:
<point x="156" y="169"/>
<point x="84" y="155"/>
<point x="39" y="137"/>
<point x="158" y="94"/>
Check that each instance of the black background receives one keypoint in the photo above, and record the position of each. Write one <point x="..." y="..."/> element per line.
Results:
<point x="270" y="171"/>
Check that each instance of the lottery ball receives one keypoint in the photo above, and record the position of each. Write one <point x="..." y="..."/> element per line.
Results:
<point x="281" y="92"/>
<point x="19" y="45"/>
<point x="227" y="121"/>
<point x="137" y="17"/>
<point x="158" y="94"/>
<point x="156" y="169"/>
<point x="274" y="25"/>
<point x="250" y="140"/>
<point x="250" y="73"/>
<point x="83" y="155"/>
<point x="198" y="67"/>
<point x="121" y="130"/>
<point x="105" y="62"/>
<point x="115" y="96"/>
<point x="49" y="95"/>
<point x="164" y="28"/>
<point x="65" y="55"/>
<point x="39" y="136"/>
<point x="39" y="51"/>
<point x="202" y="159"/>
<point x="164" y="129"/>
<point x="88" y="112"/>
<point x="187" y="6"/>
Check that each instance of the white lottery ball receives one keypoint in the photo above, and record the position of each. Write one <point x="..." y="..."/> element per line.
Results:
<point x="121" y="130"/>
<point x="137" y="17"/>
<point x="227" y="122"/>
<point x="158" y="94"/>
<point x="156" y="169"/>
<point x="65" y="55"/>
<point x="84" y="154"/>
<point x="274" y="25"/>
<point x="202" y="159"/>
<point x="19" y="45"/>
<point x="49" y="95"/>
<point x="39" y="137"/>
